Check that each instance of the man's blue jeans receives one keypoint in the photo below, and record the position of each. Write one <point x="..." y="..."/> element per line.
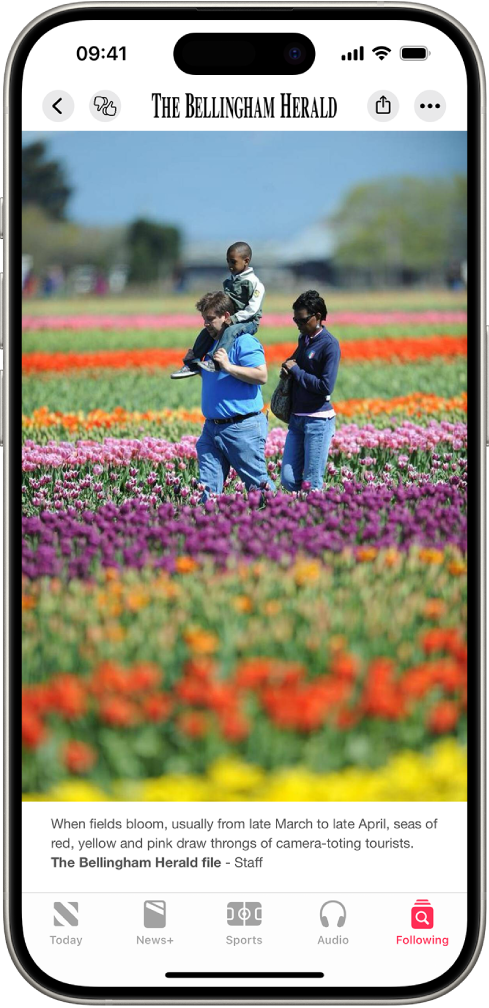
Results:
<point x="237" y="445"/>
<point x="306" y="451"/>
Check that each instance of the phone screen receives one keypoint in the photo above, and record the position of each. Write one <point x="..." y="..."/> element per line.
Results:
<point x="243" y="300"/>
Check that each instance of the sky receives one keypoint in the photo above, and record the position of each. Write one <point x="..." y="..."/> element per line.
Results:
<point x="264" y="185"/>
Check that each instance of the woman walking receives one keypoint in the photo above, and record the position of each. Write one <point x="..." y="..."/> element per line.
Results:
<point x="312" y="371"/>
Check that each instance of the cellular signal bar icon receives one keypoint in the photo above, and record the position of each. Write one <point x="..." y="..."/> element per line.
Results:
<point x="357" y="54"/>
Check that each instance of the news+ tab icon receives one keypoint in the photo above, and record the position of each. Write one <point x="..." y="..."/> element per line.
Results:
<point x="154" y="913"/>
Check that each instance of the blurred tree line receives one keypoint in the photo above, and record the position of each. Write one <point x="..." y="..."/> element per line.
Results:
<point x="391" y="231"/>
<point x="402" y="228"/>
<point x="150" y="249"/>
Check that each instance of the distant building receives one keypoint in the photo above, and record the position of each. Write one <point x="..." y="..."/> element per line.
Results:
<point x="307" y="256"/>
<point x="310" y="256"/>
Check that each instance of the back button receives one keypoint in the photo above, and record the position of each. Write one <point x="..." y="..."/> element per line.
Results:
<point x="58" y="106"/>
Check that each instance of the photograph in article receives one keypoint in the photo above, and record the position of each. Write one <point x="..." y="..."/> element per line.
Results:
<point x="244" y="470"/>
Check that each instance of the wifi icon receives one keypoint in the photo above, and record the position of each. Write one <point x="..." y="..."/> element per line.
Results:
<point x="381" y="51"/>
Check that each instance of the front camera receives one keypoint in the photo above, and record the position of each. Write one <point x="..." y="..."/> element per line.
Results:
<point x="294" y="54"/>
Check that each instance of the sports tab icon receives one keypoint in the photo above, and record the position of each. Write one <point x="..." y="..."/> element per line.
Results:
<point x="244" y="914"/>
<point x="154" y="913"/>
<point x="65" y="913"/>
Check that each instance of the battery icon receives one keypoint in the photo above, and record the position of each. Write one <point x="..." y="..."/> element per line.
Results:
<point x="414" y="53"/>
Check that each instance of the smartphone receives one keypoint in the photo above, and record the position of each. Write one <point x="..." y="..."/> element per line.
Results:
<point x="244" y="342"/>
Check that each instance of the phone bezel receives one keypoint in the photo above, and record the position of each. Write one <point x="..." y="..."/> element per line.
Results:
<point x="208" y="10"/>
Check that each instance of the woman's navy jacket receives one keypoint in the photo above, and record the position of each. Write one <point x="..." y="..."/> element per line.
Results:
<point x="314" y="373"/>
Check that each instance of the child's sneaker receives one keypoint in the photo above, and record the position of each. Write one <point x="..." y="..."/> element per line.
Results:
<point x="184" y="372"/>
<point x="207" y="365"/>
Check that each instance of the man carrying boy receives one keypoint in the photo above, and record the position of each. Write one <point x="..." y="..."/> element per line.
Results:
<point x="235" y="428"/>
<point x="247" y="293"/>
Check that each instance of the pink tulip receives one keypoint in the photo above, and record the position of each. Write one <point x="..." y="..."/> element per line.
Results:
<point x="119" y="323"/>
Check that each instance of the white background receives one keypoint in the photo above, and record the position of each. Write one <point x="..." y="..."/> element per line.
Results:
<point x="149" y="68"/>
<point x="377" y="887"/>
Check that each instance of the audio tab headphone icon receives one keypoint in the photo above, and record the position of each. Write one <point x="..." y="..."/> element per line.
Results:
<point x="324" y="919"/>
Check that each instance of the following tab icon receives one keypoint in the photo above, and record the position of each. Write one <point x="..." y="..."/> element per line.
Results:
<point x="422" y="914"/>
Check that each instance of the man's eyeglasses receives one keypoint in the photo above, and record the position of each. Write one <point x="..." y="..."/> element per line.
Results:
<point x="302" y="321"/>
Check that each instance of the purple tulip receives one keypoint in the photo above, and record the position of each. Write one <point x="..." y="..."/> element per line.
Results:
<point x="135" y="533"/>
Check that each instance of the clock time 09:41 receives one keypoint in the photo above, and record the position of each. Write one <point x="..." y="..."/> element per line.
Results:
<point x="96" y="53"/>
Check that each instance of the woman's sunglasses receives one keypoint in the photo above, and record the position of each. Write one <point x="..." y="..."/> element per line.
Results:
<point x="302" y="321"/>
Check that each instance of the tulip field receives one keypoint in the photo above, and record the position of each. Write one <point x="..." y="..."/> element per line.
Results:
<point x="262" y="646"/>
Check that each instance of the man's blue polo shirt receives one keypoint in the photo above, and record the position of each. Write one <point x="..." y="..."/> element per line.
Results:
<point x="225" y="396"/>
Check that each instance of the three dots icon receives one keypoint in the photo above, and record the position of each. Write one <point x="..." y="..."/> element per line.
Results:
<point x="430" y="106"/>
